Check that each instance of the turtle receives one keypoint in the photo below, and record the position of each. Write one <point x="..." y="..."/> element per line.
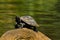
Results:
<point x="26" y="22"/>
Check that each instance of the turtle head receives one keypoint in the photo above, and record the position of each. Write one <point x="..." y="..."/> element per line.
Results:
<point x="17" y="19"/>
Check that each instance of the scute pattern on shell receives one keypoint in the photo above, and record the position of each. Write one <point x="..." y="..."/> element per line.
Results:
<point x="29" y="20"/>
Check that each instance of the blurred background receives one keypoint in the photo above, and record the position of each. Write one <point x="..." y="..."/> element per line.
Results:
<point x="45" y="12"/>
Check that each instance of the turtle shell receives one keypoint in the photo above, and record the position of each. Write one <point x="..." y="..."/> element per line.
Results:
<point x="29" y="20"/>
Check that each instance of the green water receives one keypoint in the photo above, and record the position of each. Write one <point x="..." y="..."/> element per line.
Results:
<point x="45" y="12"/>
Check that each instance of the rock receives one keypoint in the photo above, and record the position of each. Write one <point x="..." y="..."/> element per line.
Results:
<point x="23" y="34"/>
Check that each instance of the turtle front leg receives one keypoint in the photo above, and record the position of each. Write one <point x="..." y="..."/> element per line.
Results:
<point x="16" y="26"/>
